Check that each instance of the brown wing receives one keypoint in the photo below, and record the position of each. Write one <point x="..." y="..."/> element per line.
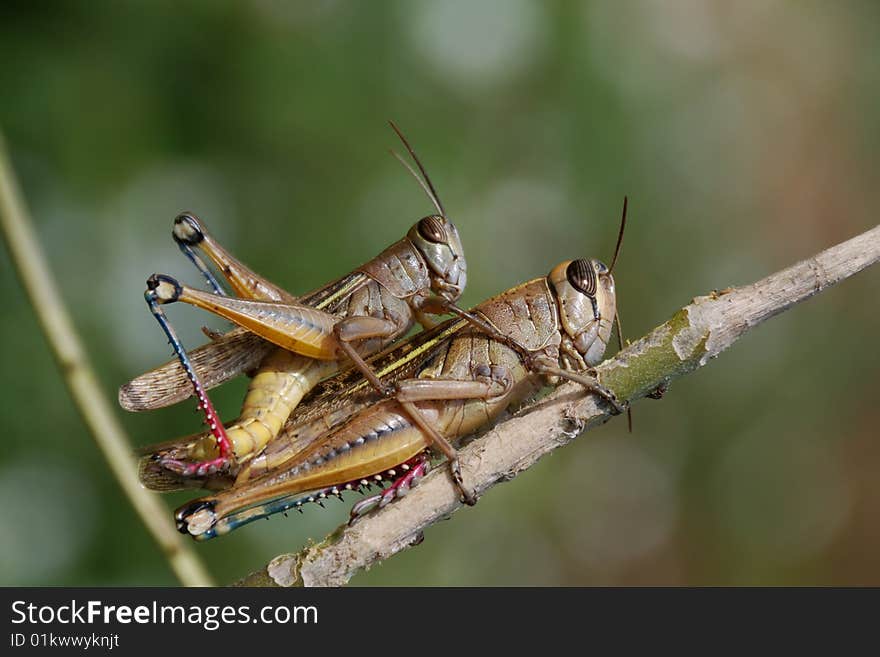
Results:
<point x="155" y="477"/>
<point x="224" y="358"/>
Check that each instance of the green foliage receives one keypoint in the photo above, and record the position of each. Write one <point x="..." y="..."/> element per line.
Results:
<point x="744" y="137"/>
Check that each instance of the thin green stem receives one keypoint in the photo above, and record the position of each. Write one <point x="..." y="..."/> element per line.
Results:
<point x="31" y="263"/>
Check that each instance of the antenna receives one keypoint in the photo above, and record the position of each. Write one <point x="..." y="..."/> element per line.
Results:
<point x="433" y="193"/>
<point x="619" y="237"/>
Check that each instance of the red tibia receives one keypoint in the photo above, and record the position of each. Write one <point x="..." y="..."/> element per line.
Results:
<point x="416" y="468"/>
<point x="224" y="444"/>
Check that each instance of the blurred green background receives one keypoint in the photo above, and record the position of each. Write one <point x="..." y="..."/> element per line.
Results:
<point x="745" y="135"/>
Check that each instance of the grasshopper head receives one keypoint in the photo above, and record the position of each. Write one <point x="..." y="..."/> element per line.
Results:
<point x="587" y="305"/>
<point x="437" y="240"/>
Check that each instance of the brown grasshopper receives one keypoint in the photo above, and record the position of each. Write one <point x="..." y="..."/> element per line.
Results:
<point x="448" y="382"/>
<point x="356" y="315"/>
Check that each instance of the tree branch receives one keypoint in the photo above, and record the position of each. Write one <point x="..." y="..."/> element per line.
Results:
<point x="80" y="378"/>
<point x="694" y="335"/>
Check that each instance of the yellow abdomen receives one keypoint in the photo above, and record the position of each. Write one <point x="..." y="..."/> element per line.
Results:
<point x="279" y="385"/>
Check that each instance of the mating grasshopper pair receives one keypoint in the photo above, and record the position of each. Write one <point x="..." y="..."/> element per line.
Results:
<point x="378" y="418"/>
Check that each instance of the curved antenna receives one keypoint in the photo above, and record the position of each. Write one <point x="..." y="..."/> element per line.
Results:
<point x="619" y="237"/>
<point x="421" y="182"/>
<point x="433" y="194"/>
<point x="620" y="341"/>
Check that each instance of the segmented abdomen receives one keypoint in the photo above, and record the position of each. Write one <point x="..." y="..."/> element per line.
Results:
<point x="279" y="385"/>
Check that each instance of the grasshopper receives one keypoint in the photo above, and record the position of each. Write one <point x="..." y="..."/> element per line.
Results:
<point x="292" y="343"/>
<point x="448" y="381"/>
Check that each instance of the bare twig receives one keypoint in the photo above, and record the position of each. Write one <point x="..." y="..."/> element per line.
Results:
<point x="693" y="336"/>
<point x="80" y="378"/>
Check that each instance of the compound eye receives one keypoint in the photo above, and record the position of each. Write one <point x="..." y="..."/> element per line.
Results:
<point x="582" y="277"/>
<point x="433" y="229"/>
